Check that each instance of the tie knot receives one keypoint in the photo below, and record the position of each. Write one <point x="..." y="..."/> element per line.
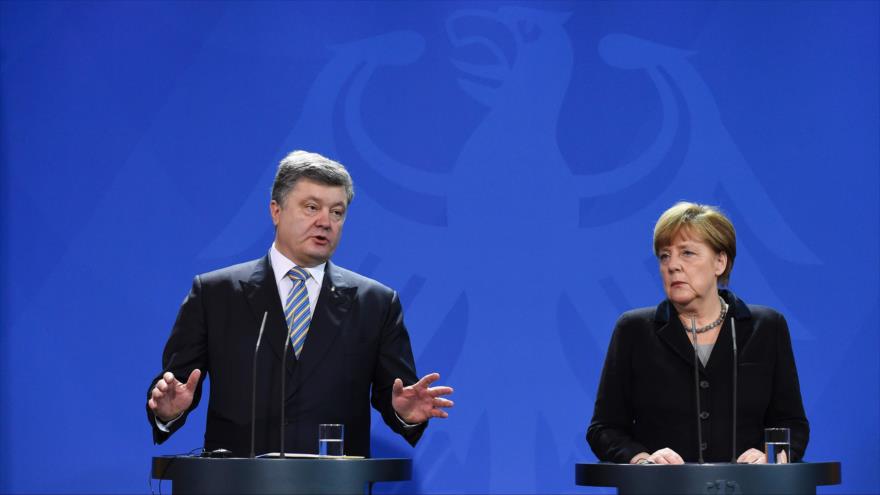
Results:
<point x="297" y="273"/>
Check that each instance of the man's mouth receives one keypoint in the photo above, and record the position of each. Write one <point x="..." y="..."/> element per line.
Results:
<point x="320" y="239"/>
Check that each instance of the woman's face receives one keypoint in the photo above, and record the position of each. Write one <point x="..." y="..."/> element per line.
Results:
<point x="690" y="269"/>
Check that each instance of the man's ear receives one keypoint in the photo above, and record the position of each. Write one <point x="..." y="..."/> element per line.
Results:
<point x="274" y="212"/>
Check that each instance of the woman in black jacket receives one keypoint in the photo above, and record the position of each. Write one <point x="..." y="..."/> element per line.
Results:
<point x="645" y="409"/>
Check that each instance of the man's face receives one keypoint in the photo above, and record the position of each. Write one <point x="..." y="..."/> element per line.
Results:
<point x="308" y="224"/>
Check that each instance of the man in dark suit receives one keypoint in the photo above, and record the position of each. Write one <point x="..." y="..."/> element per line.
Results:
<point x="343" y="336"/>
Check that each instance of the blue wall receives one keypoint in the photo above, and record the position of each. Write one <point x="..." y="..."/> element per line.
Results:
<point x="527" y="146"/>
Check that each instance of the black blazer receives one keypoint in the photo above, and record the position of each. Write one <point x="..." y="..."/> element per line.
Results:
<point x="646" y="399"/>
<point x="356" y="342"/>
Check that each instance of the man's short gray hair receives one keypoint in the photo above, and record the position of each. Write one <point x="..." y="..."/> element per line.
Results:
<point x="305" y="165"/>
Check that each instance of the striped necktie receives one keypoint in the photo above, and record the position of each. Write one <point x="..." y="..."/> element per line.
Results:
<point x="296" y="309"/>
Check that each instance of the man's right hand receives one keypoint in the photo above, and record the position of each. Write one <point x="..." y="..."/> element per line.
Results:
<point x="170" y="397"/>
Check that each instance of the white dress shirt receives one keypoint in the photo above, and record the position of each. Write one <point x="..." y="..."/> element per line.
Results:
<point x="281" y="265"/>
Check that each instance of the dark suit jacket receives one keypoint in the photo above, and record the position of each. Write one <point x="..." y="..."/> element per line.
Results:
<point x="646" y="399"/>
<point x="356" y="346"/>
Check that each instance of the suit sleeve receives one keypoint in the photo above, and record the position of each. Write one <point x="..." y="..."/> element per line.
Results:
<point x="786" y="406"/>
<point x="185" y="351"/>
<point x="610" y="431"/>
<point x="395" y="361"/>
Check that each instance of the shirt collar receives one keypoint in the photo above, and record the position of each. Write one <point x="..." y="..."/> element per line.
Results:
<point x="281" y="265"/>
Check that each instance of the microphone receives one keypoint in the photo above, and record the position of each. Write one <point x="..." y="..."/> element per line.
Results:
<point x="283" y="372"/>
<point x="733" y="334"/>
<point x="697" y="390"/>
<point x="254" y="385"/>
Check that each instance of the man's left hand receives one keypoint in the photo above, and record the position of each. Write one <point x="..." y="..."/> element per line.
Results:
<point x="420" y="402"/>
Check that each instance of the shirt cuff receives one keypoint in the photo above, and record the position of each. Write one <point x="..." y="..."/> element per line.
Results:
<point x="402" y="422"/>
<point x="165" y="427"/>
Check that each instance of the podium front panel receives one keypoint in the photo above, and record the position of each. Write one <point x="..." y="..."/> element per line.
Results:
<point x="204" y="476"/>
<point x="738" y="479"/>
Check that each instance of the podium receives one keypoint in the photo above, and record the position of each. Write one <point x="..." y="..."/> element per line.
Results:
<point x="715" y="479"/>
<point x="207" y="476"/>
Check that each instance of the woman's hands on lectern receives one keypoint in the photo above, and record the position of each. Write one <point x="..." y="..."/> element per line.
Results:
<point x="752" y="456"/>
<point x="662" y="456"/>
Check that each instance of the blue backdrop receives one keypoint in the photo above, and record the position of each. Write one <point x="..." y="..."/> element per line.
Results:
<point x="493" y="146"/>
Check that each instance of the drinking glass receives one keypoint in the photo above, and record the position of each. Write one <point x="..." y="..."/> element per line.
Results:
<point x="777" y="445"/>
<point x="331" y="438"/>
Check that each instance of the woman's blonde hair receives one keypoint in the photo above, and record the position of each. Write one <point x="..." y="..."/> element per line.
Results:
<point x="703" y="221"/>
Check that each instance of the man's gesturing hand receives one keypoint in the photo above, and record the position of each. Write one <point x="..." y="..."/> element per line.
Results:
<point x="419" y="403"/>
<point x="170" y="397"/>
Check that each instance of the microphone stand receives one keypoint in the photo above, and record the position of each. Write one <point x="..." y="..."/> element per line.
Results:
<point x="254" y="385"/>
<point x="283" y="372"/>
<point x="697" y="390"/>
<point x="733" y="335"/>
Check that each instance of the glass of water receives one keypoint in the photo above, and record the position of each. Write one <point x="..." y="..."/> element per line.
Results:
<point x="331" y="438"/>
<point x="777" y="445"/>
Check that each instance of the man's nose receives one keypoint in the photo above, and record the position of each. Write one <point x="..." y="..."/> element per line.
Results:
<point x="323" y="219"/>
